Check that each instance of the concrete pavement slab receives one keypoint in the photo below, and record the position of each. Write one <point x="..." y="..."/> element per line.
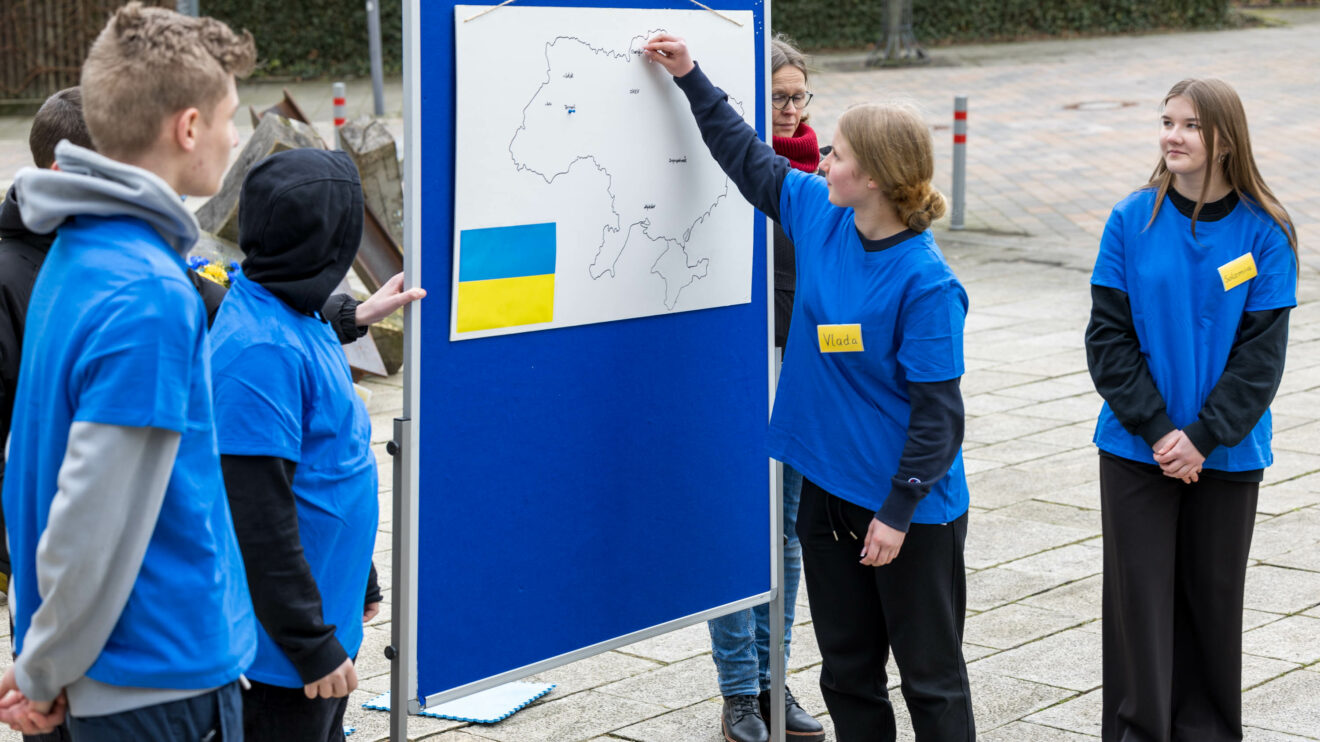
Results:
<point x="1087" y="521"/>
<point x="1069" y="659"/>
<point x="1285" y="532"/>
<point x="1278" y="590"/>
<point x="1016" y="624"/>
<point x="1286" y="704"/>
<point x="986" y="546"/>
<point x="990" y="588"/>
<point x="1021" y="731"/>
<point x="1291" y="639"/>
<point x="673" y="686"/>
<point x="999" y="700"/>
<point x="1259" y="670"/>
<point x="1079" y="714"/>
<point x="1080" y="598"/>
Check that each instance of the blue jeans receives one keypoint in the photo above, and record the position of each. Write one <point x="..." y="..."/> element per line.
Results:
<point x="740" y="642"/>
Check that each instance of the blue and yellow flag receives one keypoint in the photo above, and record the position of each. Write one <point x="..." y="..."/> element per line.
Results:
<point x="506" y="276"/>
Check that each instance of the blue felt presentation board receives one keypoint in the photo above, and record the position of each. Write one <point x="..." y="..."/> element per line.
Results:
<point x="582" y="484"/>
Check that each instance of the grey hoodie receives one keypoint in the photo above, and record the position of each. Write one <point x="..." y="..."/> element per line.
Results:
<point x="112" y="480"/>
<point x="90" y="183"/>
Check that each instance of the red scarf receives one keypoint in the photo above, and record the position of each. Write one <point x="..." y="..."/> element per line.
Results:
<point x="800" y="149"/>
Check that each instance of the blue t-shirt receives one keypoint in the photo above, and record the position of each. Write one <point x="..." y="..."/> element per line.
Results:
<point x="1185" y="320"/>
<point x="283" y="388"/>
<point x="841" y="418"/>
<point x="124" y="343"/>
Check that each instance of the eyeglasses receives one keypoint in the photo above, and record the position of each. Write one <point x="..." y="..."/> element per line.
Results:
<point x="799" y="101"/>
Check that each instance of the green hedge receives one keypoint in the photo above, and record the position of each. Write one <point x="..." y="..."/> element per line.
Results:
<point x="310" y="38"/>
<point x="835" y="24"/>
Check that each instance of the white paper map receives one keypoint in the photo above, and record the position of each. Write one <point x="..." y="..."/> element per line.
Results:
<point x="583" y="191"/>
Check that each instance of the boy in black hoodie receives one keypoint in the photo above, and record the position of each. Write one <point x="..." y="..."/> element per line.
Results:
<point x="294" y="441"/>
<point x="21" y="254"/>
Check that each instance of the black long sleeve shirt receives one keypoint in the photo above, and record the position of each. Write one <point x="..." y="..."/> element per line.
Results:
<point x="284" y="592"/>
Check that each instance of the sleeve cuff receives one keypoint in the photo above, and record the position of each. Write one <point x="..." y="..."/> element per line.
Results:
<point x="29" y="686"/>
<point x="341" y="312"/>
<point x="1201" y="437"/>
<point x="898" y="507"/>
<point x="321" y="661"/>
<point x="373" y="589"/>
<point x="1156" y="428"/>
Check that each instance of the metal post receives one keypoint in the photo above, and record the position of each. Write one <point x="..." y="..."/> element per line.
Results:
<point x="777" y="720"/>
<point x="340" y="96"/>
<point x="403" y="623"/>
<point x="373" y="44"/>
<point x="959" y="161"/>
<point x="402" y="652"/>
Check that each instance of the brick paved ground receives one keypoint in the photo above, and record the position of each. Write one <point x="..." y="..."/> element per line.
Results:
<point x="1042" y="179"/>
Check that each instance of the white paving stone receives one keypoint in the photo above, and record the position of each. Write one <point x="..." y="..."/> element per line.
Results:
<point x="1286" y="704"/>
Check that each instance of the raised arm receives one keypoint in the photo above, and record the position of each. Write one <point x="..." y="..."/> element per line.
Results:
<point x="750" y="163"/>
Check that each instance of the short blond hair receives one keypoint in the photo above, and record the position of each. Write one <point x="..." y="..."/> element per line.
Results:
<point x="892" y="144"/>
<point x="149" y="63"/>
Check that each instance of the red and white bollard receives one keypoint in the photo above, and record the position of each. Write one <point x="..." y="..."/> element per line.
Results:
<point x="959" y="161"/>
<point x="341" y="103"/>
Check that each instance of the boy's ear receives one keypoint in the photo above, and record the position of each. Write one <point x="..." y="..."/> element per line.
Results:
<point x="184" y="128"/>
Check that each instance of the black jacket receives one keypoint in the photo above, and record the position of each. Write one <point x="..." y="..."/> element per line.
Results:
<point x="21" y="255"/>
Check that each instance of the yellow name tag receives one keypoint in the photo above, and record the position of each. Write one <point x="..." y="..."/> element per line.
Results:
<point x="1237" y="271"/>
<point x="839" y="338"/>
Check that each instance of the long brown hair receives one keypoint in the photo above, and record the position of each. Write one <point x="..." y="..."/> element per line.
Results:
<point x="893" y="145"/>
<point x="1223" y="128"/>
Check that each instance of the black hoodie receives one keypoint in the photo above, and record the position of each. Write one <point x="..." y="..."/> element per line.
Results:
<point x="299" y="224"/>
<point x="21" y="255"/>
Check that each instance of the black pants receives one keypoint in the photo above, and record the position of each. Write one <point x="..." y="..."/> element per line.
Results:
<point x="272" y="713"/>
<point x="1175" y="567"/>
<point x="914" y="604"/>
<point x="210" y="717"/>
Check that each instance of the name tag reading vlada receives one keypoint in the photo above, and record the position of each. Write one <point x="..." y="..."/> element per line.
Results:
<point x="840" y="338"/>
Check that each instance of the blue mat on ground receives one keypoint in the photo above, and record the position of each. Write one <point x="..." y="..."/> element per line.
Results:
<point x="486" y="707"/>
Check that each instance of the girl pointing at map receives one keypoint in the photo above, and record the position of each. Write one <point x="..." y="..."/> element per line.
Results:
<point x="868" y="408"/>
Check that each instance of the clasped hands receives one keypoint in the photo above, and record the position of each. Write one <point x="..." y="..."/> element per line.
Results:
<point x="1178" y="457"/>
<point x="24" y="715"/>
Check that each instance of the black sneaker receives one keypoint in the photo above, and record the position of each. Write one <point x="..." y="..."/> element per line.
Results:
<point x="799" y="726"/>
<point x="741" y="720"/>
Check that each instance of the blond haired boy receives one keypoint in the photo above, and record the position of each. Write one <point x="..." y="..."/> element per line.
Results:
<point x="128" y="592"/>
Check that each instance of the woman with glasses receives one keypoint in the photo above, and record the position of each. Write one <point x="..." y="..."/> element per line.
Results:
<point x="869" y="408"/>
<point x="740" y="642"/>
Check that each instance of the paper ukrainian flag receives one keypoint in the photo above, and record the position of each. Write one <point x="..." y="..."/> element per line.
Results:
<point x="506" y="276"/>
